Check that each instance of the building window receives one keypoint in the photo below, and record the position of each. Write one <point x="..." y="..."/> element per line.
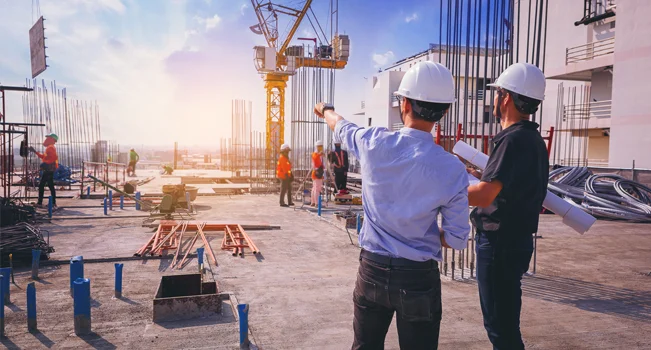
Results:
<point x="369" y="121"/>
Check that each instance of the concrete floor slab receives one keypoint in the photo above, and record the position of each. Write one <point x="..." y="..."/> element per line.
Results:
<point x="589" y="292"/>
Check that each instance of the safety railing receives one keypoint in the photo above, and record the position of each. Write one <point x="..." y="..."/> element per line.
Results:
<point x="594" y="109"/>
<point x="590" y="51"/>
<point x="109" y="172"/>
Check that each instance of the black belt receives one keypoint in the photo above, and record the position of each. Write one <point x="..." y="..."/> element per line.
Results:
<point x="397" y="262"/>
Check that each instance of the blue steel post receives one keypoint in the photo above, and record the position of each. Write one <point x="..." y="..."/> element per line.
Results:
<point x="2" y="306"/>
<point x="76" y="271"/>
<point x="200" y="258"/>
<point x="137" y="200"/>
<point x="105" y="206"/>
<point x="31" y="307"/>
<point x="36" y="259"/>
<point x="82" y="306"/>
<point x="118" y="280"/>
<point x="121" y="202"/>
<point x="88" y="192"/>
<point x="319" y="209"/>
<point x="110" y="200"/>
<point x="6" y="271"/>
<point x="243" y="312"/>
<point x="49" y="207"/>
<point x="359" y="224"/>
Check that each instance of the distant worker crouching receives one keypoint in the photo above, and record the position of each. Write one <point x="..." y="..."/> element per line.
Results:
<point x="339" y="160"/>
<point x="48" y="166"/>
<point x="285" y="175"/>
<point x="318" y="172"/>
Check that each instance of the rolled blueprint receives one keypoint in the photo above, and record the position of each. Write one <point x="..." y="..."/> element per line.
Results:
<point x="573" y="217"/>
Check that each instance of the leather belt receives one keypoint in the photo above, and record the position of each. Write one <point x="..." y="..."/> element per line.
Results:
<point x="397" y="262"/>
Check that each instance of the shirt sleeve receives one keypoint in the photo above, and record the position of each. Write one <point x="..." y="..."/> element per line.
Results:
<point x="501" y="164"/>
<point x="350" y="136"/>
<point x="455" y="223"/>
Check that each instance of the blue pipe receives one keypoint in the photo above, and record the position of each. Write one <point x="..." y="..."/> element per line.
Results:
<point x="31" y="307"/>
<point x="82" y="306"/>
<point x="138" y="199"/>
<point x="76" y="271"/>
<point x="118" y="280"/>
<point x="359" y="223"/>
<point x="49" y="207"/>
<point x="88" y="192"/>
<point x="319" y="209"/>
<point x="2" y="305"/>
<point x="110" y="200"/>
<point x="243" y="312"/>
<point x="121" y="202"/>
<point x="36" y="259"/>
<point x="200" y="258"/>
<point x="105" y="206"/>
<point x="6" y="271"/>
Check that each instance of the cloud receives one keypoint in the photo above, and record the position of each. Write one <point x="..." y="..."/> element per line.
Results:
<point x="413" y="17"/>
<point x="243" y="8"/>
<point x="210" y="22"/>
<point x="382" y="59"/>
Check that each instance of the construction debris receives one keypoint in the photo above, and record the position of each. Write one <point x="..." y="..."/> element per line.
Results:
<point x="13" y="211"/>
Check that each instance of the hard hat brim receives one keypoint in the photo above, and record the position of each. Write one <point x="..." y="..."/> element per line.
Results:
<point x="398" y="93"/>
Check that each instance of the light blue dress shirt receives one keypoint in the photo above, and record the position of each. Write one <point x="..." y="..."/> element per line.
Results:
<point x="407" y="181"/>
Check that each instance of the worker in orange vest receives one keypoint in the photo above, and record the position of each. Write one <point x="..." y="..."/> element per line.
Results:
<point x="339" y="160"/>
<point x="50" y="164"/>
<point x="284" y="173"/>
<point x="318" y="172"/>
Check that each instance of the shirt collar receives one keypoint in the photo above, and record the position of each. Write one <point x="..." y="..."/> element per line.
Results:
<point x="523" y="124"/>
<point x="419" y="134"/>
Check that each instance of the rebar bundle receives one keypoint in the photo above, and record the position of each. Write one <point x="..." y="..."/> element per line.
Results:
<point x="13" y="211"/>
<point x="605" y="196"/>
<point x="20" y="239"/>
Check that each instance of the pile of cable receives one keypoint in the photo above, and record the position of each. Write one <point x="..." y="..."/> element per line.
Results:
<point x="20" y="239"/>
<point x="604" y="196"/>
<point x="13" y="211"/>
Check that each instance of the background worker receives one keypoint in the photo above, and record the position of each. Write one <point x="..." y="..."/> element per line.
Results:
<point x="509" y="199"/>
<point x="408" y="181"/>
<point x="133" y="159"/>
<point x="339" y="160"/>
<point x="285" y="175"/>
<point x="50" y="163"/>
<point x="318" y="172"/>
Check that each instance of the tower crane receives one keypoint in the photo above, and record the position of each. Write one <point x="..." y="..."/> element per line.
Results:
<point x="277" y="61"/>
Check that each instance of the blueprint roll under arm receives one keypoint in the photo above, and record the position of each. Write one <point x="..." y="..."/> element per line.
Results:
<point x="573" y="216"/>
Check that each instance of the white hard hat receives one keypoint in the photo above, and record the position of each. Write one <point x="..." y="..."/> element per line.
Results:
<point x="284" y="146"/>
<point x="428" y="82"/>
<point x="523" y="79"/>
<point x="319" y="143"/>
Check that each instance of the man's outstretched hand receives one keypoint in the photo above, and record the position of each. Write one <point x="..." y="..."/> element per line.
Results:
<point x="318" y="108"/>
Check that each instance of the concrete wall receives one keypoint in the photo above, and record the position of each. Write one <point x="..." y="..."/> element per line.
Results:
<point x="631" y="111"/>
<point x="598" y="148"/>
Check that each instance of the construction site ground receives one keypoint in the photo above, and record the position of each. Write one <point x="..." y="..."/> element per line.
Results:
<point x="589" y="292"/>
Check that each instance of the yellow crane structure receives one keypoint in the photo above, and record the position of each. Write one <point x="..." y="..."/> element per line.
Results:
<point x="278" y="61"/>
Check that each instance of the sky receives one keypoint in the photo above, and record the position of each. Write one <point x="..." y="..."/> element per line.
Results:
<point x="167" y="70"/>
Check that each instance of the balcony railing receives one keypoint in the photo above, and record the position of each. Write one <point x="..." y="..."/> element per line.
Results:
<point x="589" y="51"/>
<point x="599" y="110"/>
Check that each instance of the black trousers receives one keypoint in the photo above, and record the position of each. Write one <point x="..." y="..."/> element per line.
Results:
<point x="501" y="262"/>
<point x="341" y="177"/>
<point x="413" y="293"/>
<point x="47" y="178"/>
<point x="286" y="188"/>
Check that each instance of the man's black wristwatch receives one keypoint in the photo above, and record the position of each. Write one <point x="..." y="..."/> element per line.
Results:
<point x="327" y="106"/>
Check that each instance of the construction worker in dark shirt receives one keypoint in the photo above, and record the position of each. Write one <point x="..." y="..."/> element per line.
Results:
<point x="509" y="199"/>
<point x="339" y="160"/>
<point x="48" y="166"/>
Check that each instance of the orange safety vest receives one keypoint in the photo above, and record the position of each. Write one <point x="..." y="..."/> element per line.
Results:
<point x="284" y="168"/>
<point x="317" y="163"/>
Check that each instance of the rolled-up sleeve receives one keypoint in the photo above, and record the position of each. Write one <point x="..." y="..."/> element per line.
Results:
<point x="350" y="136"/>
<point x="454" y="224"/>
